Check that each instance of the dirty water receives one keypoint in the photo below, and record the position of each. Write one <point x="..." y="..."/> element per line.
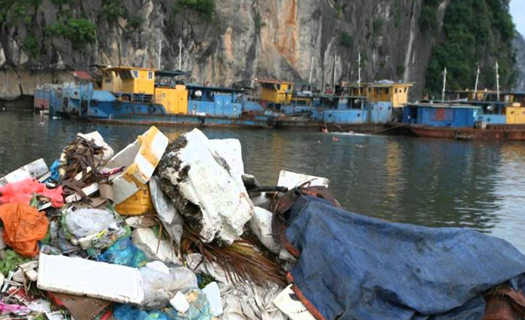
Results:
<point x="436" y="183"/>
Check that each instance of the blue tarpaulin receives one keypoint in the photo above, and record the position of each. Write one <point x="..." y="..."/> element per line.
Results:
<point x="355" y="267"/>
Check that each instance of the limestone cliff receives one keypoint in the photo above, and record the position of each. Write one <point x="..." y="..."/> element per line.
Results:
<point x="224" y="42"/>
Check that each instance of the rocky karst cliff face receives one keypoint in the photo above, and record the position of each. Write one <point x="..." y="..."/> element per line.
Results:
<point x="224" y="42"/>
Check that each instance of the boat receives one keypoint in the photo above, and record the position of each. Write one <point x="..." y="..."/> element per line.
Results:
<point x="366" y="107"/>
<point x="500" y="121"/>
<point x="130" y="95"/>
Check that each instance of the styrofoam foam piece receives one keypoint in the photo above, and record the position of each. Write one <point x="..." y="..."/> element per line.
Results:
<point x="261" y="226"/>
<point x="219" y="192"/>
<point x="291" y="180"/>
<point x="83" y="277"/>
<point x="145" y="240"/>
<point x="33" y="170"/>
<point x="213" y="293"/>
<point x="140" y="159"/>
<point x="293" y="308"/>
<point x="158" y="266"/>
<point x="180" y="303"/>
<point x="231" y="151"/>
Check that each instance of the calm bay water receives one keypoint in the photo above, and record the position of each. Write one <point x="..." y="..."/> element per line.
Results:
<point x="434" y="183"/>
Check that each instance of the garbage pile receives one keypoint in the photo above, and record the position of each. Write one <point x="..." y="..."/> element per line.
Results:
<point x="178" y="231"/>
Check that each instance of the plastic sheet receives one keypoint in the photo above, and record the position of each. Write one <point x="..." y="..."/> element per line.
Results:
<point x="10" y="262"/>
<point x="24" y="227"/>
<point x="166" y="211"/>
<point x="355" y="267"/>
<point x="127" y="312"/>
<point x="85" y="222"/>
<point x="24" y="190"/>
<point x="160" y="288"/>
<point x="125" y="253"/>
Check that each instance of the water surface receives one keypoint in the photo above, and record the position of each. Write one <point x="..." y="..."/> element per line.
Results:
<point x="436" y="183"/>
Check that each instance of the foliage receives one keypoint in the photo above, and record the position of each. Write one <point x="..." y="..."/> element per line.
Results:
<point x="112" y="9"/>
<point x="428" y="19"/>
<point x="346" y="40"/>
<point x="31" y="45"/>
<point x="79" y="31"/>
<point x="136" y="22"/>
<point x="377" y="27"/>
<point x="59" y="2"/>
<point x="400" y="71"/>
<point x="258" y="22"/>
<point x="476" y="32"/>
<point x="206" y="8"/>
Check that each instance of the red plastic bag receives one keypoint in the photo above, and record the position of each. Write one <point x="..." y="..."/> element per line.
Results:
<point x="23" y="191"/>
<point x="24" y="227"/>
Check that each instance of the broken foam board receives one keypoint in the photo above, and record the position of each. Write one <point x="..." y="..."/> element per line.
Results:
<point x="90" y="278"/>
<point x="34" y="170"/>
<point x="288" y="303"/>
<point x="140" y="159"/>
<point x="291" y="180"/>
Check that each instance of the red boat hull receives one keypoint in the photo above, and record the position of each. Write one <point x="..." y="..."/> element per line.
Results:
<point x="497" y="132"/>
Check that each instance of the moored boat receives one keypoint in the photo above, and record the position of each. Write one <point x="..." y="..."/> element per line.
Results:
<point x="464" y="121"/>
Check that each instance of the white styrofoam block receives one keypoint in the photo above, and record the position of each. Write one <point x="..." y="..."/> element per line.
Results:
<point x="180" y="303"/>
<point x="293" y="308"/>
<point x="33" y="170"/>
<point x="140" y="159"/>
<point x="220" y="194"/>
<point x="83" y="277"/>
<point x="158" y="266"/>
<point x="291" y="180"/>
<point x="213" y="294"/>
<point x="145" y="240"/>
<point x="261" y="226"/>
<point x="231" y="151"/>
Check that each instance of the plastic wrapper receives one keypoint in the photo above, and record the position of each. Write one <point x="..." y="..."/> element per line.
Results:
<point x="24" y="190"/>
<point x="160" y="288"/>
<point x="85" y="222"/>
<point x="125" y="253"/>
<point x="24" y="227"/>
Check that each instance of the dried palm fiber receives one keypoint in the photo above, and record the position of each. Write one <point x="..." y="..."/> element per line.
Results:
<point x="83" y="157"/>
<point x="242" y="261"/>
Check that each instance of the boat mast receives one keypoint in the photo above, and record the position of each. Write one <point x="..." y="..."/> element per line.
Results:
<point x="359" y="72"/>
<point x="476" y="86"/>
<point x="497" y="81"/>
<point x="444" y="85"/>
<point x="333" y="80"/>
<point x="160" y="54"/>
<point x="180" y="53"/>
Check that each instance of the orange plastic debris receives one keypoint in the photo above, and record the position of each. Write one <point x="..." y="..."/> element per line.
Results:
<point x="24" y="227"/>
<point x="23" y="192"/>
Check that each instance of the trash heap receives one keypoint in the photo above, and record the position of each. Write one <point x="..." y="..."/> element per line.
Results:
<point x="178" y="231"/>
<point x="157" y="230"/>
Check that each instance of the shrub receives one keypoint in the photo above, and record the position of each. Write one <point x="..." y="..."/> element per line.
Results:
<point x="206" y="8"/>
<point x="136" y="22"/>
<point x="346" y="40"/>
<point x="79" y="31"/>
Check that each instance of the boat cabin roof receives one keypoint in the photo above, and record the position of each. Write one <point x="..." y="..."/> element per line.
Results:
<point x="127" y="68"/>
<point x="191" y="86"/>
<point x="442" y="105"/>
<point x="170" y="73"/>
<point x="269" y="81"/>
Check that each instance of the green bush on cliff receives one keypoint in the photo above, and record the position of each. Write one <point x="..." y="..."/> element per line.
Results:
<point x="206" y="8"/>
<point x="31" y="45"/>
<point x="79" y="31"/>
<point x="475" y="33"/>
<point x="346" y="40"/>
<point x="112" y="9"/>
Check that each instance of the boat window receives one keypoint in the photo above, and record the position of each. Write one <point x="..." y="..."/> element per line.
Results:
<point x="405" y="90"/>
<point x="135" y="74"/>
<point x="387" y="91"/>
<point x="150" y="75"/>
<point x="396" y="90"/>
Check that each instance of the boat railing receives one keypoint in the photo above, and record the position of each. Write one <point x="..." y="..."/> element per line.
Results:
<point x="136" y="97"/>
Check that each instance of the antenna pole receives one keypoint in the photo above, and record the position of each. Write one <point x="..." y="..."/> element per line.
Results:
<point x="180" y="53"/>
<point x="476" y="87"/>
<point x="497" y="81"/>
<point x="444" y="85"/>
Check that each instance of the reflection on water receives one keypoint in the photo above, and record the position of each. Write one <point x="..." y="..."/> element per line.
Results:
<point x="428" y="182"/>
